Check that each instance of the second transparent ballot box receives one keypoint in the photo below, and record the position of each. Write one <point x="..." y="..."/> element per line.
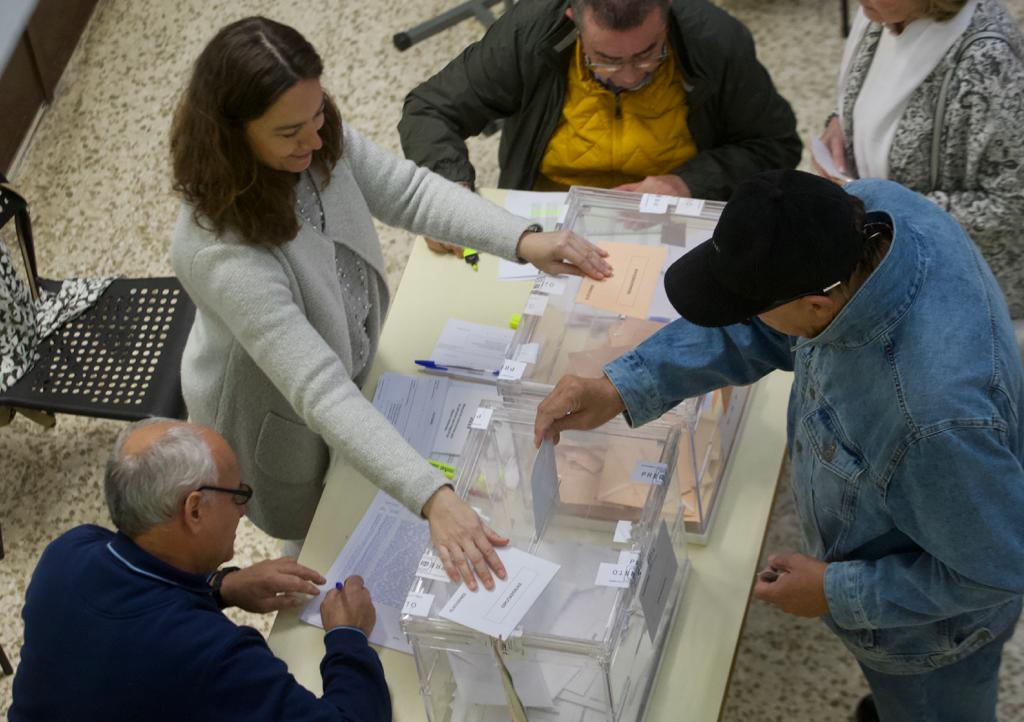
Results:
<point x="589" y="646"/>
<point x="576" y="326"/>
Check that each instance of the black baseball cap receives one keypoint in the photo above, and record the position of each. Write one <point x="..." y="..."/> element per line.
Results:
<point x="783" y="234"/>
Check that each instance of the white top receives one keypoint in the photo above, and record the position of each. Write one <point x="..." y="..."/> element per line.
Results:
<point x="900" y="64"/>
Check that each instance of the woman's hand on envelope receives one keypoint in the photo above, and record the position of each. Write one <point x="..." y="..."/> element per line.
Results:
<point x="576" y="403"/>
<point x="565" y="252"/>
<point x="464" y="544"/>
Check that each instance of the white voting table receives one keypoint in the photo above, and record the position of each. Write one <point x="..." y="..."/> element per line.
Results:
<point x="699" y="653"/>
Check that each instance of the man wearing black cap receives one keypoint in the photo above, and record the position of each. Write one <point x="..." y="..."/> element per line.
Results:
<point x="904" y="421"/>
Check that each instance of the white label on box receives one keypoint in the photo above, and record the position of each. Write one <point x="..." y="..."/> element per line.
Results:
<point x="649" y="472"/>
<point x="614" y="575"/>
<point x="630" y="559"/>
<point x="551" y="285"/>
<point x="512" y="370"/>
<point x="430" y="567"/>
<point x="535" y="304"/>
<point x="417" y="604"/>
<point x="689" y="207"/>
<point x="654" y="203"/>
<point x="623" y="532"/>
<point x="482" y="418"/>
<point x="527" y="353"/>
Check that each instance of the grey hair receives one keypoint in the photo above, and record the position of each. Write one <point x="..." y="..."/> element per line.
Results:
<point x="618" y="14"/>
<point x="145" y="489"/>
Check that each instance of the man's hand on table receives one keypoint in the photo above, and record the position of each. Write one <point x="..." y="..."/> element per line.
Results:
<point x="795" y="583"/>
<point x="350" y="606"/>
<point x="665" y="185"/>
<point x="464" y="544"/>
<point x="576" y="403"/>
<point x="270" y="585"/>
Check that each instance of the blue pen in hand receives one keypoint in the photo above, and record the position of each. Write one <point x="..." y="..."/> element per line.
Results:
<point x="339" y="585"/>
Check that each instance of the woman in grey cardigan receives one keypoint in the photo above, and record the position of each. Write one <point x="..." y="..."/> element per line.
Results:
<point x="930" y="96"/>
<point x="275" y="244"/>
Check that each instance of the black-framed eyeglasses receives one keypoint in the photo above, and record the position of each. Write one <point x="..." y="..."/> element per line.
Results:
<point x="776" y="304"/>
<point x="240" y="494"/>
<point x="642" y="65"/>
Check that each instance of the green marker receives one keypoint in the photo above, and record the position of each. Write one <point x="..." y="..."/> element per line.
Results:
<point x="447" y="469"/>
<point x="471" y="257"/>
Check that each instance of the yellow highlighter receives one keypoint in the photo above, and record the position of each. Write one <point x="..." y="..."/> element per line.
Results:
<point x="471" y="257"/>
<point x="447" y="469"/>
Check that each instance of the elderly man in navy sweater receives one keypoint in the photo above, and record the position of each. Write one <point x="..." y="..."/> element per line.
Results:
<point x="128" y="626"/>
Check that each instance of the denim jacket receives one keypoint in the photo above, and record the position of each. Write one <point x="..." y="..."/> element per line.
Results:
<point x="904" y="435"/>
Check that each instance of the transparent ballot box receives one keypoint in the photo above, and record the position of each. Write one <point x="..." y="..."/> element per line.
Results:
<point x="575" y="326"/>
<point x="589" y="647"/>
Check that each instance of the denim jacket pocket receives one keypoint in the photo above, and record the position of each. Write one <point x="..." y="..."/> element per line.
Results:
<point x="833" y="471"/>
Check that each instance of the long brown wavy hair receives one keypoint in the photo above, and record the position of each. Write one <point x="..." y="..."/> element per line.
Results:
<point x="247" y="66"/>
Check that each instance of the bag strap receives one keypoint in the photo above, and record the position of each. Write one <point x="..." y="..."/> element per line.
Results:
<point x="939" y="121"/>
<point x="23" y="231"/>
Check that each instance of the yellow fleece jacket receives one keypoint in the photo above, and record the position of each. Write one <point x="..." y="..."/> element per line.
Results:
<point x="605" y="139"/>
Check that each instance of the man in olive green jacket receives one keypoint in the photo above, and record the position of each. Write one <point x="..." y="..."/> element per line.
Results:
<point x="518" y="73"/>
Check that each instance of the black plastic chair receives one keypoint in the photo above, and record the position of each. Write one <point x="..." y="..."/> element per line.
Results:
<point x="119" y="359"/>
<point x="4" y="662"/>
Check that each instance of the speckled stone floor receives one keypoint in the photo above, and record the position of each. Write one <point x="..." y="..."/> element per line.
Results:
<point x="96" y="173"/>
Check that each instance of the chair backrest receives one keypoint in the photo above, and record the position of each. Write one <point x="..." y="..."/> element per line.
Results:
<point x="14" y="206"/>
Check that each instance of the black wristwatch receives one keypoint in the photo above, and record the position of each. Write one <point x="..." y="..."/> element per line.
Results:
<point x="216" y="580"/>
<point x="532" y="228"/>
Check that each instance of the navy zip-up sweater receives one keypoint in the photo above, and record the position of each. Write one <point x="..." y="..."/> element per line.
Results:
<point x="112" y="633"/>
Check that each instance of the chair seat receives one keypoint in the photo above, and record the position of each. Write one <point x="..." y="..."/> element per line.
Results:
<point x="119" y="359"/>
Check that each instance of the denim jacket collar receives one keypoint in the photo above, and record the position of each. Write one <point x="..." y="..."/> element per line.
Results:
<point x="145" y="564"/>
<point x="882" y="301"/>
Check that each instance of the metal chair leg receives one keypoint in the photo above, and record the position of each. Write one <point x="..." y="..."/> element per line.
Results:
<point x="43" y="418"/>
<point x="5" y="664"/>
<point x="480" y="9"/>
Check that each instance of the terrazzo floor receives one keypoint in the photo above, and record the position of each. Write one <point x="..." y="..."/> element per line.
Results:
<point x="96" y="173"/>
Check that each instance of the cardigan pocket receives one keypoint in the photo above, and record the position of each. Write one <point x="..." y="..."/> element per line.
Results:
<point x="291" y="462"/>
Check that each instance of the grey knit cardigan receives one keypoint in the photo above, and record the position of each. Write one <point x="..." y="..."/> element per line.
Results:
<point x="266" y="363"/>
<point x="979" y="176"/>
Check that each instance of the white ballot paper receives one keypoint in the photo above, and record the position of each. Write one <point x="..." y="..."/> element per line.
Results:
<point x="471" y="345"/>
<point x="413" y="405"/>
<point x="544" y="486"/>
<point x="385" y="550"/>
<point x="824" y="158"/>
<point x="497" y="612"/>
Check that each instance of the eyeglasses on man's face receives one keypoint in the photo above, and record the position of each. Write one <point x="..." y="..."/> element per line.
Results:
<point x="645" y="65"/>
<point x="239" y="494"/>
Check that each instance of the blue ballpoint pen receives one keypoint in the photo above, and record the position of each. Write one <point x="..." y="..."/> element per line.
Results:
<point x="428" y="364"/>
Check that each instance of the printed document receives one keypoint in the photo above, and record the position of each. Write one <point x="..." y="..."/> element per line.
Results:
<point x="413" y="405"/>
<point x="465" y="344"/>
<point x="385" y="550"/>
<point x="497" y="612"/>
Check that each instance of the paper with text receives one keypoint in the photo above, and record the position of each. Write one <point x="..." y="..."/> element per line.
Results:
<point x="630" y="291"/>
<point x="460" y="406"/>
<point x="497" y="612"/>
<point x="413" y="405"/>
<point x="471" y="345"/>
<point x="385" y="550"/>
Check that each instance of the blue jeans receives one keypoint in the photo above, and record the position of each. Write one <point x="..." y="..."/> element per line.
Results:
<point x="964" y="691"/>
